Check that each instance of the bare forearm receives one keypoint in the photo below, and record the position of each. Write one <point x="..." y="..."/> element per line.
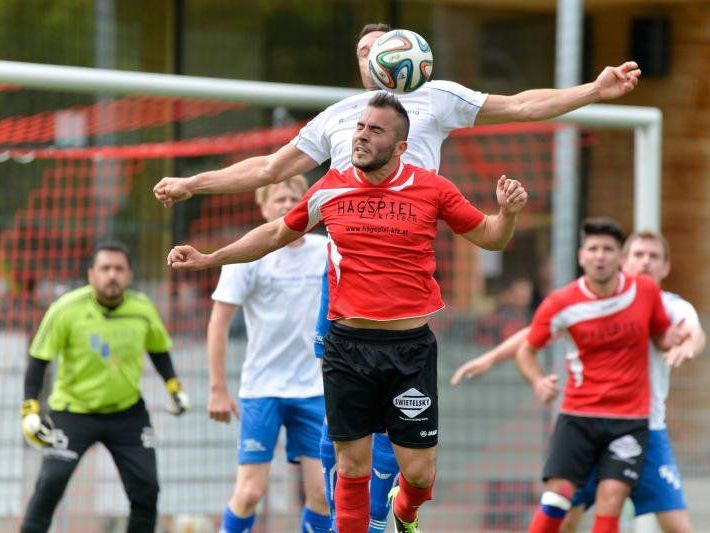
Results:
<point x="509" y="347"/>
<point x="526" y="359"/>
<point x="216" y="354"/>
<point x="498" y="231"/>
<point x="246" y="175"/>
<point x="255" y="244"/>
<point x="252" y="173"/>
<point x="541" y="104"/>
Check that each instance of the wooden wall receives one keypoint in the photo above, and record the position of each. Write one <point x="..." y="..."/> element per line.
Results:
<point x="684" y="97"/>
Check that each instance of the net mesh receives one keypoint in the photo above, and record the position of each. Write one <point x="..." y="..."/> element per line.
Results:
<point x="83" y="173"/>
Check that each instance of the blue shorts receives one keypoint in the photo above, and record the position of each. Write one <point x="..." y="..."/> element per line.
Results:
<point x="261" y="421"/>
<point x="659" y="488"/>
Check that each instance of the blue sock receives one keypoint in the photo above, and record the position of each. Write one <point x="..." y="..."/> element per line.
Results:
<point x="327" y="459"/>
<point x="384" y="477"/>
<point x="232" y="523"/>
<point x="312" y="522"/>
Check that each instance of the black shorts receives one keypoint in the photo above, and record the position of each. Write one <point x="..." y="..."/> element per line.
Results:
<point x="381" y="380"/>
<point x="615" y="445"/>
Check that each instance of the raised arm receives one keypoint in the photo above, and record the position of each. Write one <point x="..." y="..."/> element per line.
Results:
<point x="496" y="230"/>
<point x="252" y="246"/>
<point x="541" y="104"/>
<point x="246" y="175"/>
<point x="544" y="386"/>
<point x="480" y="365"/>
<point x="220" y="404"/>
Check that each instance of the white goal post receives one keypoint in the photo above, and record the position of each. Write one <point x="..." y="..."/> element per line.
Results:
<point x="645" y="121"/>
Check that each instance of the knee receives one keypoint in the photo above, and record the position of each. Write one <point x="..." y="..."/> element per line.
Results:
<point x="353" y="464"/>
<point x="248" y="495"/>
<point x="420" y="474"/>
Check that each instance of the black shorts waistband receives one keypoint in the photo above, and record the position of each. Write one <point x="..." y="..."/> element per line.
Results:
<point x="379" y="335"/>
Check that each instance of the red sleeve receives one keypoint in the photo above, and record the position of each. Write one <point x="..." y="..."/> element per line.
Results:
<point x="659" y="319"/>
<point x="304" y="216"/>
<point x="455" y="210"/>
<point x="541" y="326"/>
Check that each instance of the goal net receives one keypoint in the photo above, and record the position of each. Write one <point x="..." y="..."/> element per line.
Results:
<point x="78" y="169"/>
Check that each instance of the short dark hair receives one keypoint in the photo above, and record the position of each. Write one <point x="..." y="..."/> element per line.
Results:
<point x="112" y="246"/>
<point x="601" y="226"/>
<point x="384" y="99"/>
<point x="373" y="26"/>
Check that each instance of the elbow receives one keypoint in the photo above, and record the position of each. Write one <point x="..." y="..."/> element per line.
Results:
<point x="269" y="174"/>
<point x="497" y="245"/>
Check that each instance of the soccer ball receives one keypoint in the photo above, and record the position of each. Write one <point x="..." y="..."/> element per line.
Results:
<point x="400" y="61"/>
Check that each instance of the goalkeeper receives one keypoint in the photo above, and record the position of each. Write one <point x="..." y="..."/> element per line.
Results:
<point x="98" y="334"/>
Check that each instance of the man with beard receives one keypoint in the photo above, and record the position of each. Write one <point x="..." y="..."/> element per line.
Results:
<point x="435" y="110"/>
<point x="99" y="334"/>
<point x="379" y="368"/>
<point x="606" y="318"/>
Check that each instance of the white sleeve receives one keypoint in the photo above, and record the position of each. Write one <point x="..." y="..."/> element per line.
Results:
<point x="680" y="309"/>
<point x="313" y="139"/>
<point x="235" y="283"/>
<point x="454" y="105"/>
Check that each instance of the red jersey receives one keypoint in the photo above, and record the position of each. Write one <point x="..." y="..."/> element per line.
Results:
<point x="380" y="239"/>
<point x="608" y="337"/>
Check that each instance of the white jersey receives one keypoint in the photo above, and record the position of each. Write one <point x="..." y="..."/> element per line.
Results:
<point x="677" y="309"/>
<point x="435" y="109"/>
<point x="280" y="294"/>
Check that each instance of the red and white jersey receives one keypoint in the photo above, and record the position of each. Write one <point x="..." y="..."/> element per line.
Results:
<point x="609" y="338"/>
<point x="381" y="256"/>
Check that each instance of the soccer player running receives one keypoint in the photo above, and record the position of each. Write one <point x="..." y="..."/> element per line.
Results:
<point x="281" y="384"/>
<point x="607" y="317"/>
<point x="99" y="334"/>
<point x="379" y="368"/>
<point x="436" y="109"/>
<point x="659" y="489"/>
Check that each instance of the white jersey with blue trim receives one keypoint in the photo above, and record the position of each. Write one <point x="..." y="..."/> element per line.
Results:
<point x="280" y="294"/>
<point x="434" y="110"/>
<point x="677" y="309"/>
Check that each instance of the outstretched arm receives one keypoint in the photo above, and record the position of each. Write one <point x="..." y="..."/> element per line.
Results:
<point x="246" y="175"/>
<point x="544" y="386"/>
<point x="252" y="246"/>
<point x="496" y="230"/>
<point x="541" y="104"/>
<point x="480" y="365"/>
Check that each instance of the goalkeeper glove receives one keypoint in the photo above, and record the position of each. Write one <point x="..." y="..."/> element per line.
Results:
<point x="179" y="401"/>
<point x="38" y="433"/>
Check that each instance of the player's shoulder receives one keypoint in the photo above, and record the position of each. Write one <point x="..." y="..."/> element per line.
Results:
<point x="335" y="178"/>
<point x="351" y="102"/>
<point x="418" y="171"/>
<point x="568" y="294"/>
<point x="455" y="89"/>
<point x="138" y="299"/>
<point x="672" y="298"/>
<point x="675" y="301"/>
<point x="74" y="298"/>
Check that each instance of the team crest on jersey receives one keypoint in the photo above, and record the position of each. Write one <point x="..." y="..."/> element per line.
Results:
<point x="98" y="346"/>
<point x="412" y="402"/>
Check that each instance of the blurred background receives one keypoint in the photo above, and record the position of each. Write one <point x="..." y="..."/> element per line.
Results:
<point x="79" y="167"/>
